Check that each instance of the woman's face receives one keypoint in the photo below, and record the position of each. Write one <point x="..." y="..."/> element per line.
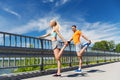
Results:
<point x="52" y="23"/>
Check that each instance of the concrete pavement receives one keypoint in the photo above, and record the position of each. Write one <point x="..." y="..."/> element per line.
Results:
<point x="103" y="72"/>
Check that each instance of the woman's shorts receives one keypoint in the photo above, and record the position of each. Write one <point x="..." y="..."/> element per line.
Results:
<point x="78" y="47"/>
<point x="55" y="44"/>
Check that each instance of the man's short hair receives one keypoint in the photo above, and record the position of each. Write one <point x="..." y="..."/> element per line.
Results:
<point x="74" y="26"/>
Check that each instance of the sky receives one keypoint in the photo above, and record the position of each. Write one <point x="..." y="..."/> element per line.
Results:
<point x="97" y="19"/>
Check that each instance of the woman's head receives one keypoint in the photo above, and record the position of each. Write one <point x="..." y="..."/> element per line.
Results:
<point x="55" y="24"/>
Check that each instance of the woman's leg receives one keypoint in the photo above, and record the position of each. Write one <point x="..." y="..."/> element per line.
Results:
<point x="60" y="52"/>
<point x="56" y="51"/>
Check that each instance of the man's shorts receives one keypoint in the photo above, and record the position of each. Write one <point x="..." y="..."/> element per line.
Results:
<point x="55" y="44"/>
<point x="78" y="47"/>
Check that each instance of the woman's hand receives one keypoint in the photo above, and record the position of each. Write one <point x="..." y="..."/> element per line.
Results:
<point x="66" y="43"/>
<point x="40" y="37"/>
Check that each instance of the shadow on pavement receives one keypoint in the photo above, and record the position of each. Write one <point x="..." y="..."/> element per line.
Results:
<point x="85" y="74"/>
<point x="95" y="70"/>
<point x="78" y="75"/>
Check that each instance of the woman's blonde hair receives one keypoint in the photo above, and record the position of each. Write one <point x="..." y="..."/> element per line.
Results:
<point x="57" y="25"/>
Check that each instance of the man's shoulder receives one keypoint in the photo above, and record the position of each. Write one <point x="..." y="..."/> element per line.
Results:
<point x="79" y="31"/>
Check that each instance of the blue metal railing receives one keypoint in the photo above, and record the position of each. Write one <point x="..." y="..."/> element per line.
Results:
<point x="17" y="51"/>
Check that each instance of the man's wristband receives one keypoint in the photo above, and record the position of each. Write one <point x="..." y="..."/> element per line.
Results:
<point x="68" y="42"/>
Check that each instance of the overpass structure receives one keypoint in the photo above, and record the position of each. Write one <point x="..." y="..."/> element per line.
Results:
<point x="19" y="51"/>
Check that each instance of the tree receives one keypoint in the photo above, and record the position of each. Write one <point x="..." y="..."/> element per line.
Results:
<point x="111" y="45"/>
<point x="96" y="46"/>
<point x="117" y="48"/>
<point x="104" y="45"/>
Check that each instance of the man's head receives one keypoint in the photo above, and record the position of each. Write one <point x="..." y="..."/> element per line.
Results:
<point x="74" y="28"/>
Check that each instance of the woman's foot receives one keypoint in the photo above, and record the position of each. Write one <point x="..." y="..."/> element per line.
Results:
<point x="57" y="75"/>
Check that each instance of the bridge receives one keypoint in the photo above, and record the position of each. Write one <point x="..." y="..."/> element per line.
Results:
<point x="23" y="53"/>
<point x="103" y="72"/>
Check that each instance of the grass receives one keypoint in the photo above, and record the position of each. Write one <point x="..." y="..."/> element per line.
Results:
<point x="50" y="64"/>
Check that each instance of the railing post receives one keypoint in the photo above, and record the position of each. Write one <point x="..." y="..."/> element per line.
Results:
<point x="3" y="39"/>
<point x="8" y="61"/>
<point x="87" y="60"/>
<point x="25" y="42"/>
<point x="29" y="42"/>
<point x="10" y="40"/>
<point x="20" y="41"/>
<point x="118" y="56"/>
<point x="38" y="45"/>
<point x="15" y="62"/>
<point x="70" y="59"/>
<point x="41" y="58"/>
<point x="97" y="57"/>
<point x="2" y="62"/>
<point x="34" y="43"/>
<point x="15" y="41"/>
<point x="104" y="56"/>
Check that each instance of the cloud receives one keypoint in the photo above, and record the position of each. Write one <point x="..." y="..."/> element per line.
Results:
<point x="46" y="1"/>
<point x="12" y="12"/>
<point x="57" y="3"/>
<point x="94" y="31"/>
<point x="33" y="25"/>
<point x="61" y="2"/>
<point x="102" y="31"/>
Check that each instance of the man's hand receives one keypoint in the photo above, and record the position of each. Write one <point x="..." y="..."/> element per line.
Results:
<point x="68" y="42"/>
<point x="89" y="41"/>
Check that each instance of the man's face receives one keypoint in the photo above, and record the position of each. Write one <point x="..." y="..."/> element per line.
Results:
<point x="73" y="29"/>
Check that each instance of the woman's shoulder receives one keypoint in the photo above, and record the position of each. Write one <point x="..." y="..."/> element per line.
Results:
<point x="55" y="30"/>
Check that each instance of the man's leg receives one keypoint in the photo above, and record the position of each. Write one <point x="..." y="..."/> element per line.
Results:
<point x="80" y="62"/>
<point x="79" y="54"/>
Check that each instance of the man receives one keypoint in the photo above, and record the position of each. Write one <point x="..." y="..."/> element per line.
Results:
<point x="76" y="39"/>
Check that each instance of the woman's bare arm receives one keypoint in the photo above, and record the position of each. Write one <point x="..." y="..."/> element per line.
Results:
<point x="46" y="35"/>
<point x="60" y="35"/>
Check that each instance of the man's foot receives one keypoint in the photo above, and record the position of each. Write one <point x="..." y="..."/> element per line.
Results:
<point x="86" y="44"/>
<point x="78" y="71"/>
<point x="56" y="75"/>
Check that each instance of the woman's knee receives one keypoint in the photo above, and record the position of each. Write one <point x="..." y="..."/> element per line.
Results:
<point x="57" y="58"/>
<point x="79" y="56"/>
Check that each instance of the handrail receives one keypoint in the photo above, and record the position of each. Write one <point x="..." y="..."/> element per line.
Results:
<point x="25" y="51"/>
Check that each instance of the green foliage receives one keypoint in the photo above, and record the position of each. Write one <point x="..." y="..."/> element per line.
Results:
<point x="28" y="61"/>
<point x="27" y="69"/>
<point x="117" y="48"/>
<point x="111" y="45"/>
<point x="104" y="45"/>
<point x="31" y="46"/>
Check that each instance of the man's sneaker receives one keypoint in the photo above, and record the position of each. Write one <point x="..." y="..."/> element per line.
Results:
<point x="78" y="71"/>
<point x="86" y="44"/>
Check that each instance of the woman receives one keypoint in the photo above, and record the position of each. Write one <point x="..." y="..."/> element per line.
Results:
<point x="55" y="44"/>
